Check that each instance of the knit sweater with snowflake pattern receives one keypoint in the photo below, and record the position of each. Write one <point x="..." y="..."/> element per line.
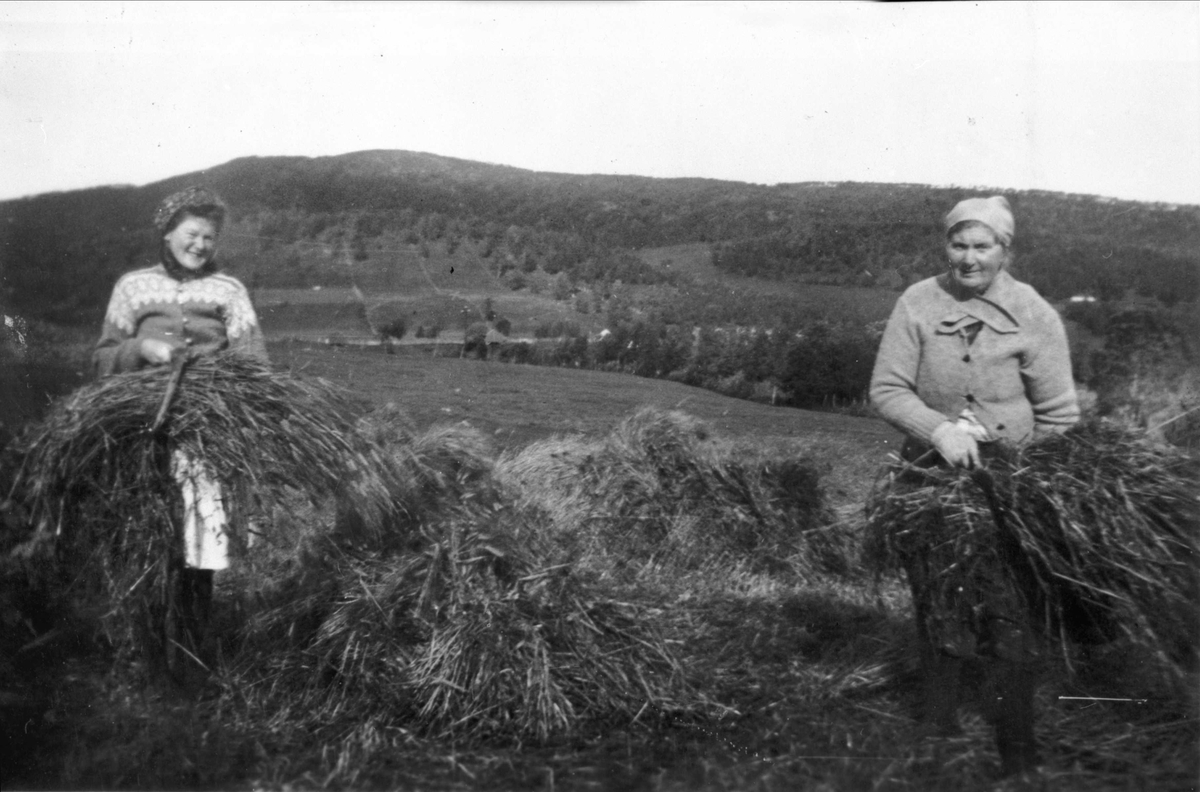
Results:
<point x="205" y="314"/>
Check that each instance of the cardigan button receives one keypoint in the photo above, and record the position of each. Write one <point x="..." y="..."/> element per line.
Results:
<point x="967" y="358"/>
<point x="971" y="398"/>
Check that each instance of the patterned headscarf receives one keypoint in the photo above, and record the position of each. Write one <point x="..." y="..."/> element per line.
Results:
<point x="189" y="198"/>
<point x="994" y="212"/>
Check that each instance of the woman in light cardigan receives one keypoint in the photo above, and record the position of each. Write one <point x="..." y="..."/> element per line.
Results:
<point x="968" y="358"/>
<point x="974" y="355"/>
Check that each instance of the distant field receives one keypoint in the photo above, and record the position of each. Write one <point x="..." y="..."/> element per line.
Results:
<point x="693" y="259"/>
<point x="822" y="300"/>
<point x="392" y="265"/>
<point x="310" y="313"/>
<point x="312" y="319"/>
<point x="517" y="403"/>
<point x="313" y="313"/>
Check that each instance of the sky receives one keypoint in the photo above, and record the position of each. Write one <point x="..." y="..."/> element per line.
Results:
<point x="1094" y="98"/>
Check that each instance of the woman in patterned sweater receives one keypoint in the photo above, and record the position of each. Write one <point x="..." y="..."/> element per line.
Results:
<point x="183" y="304"/>
<point x="184" y="307"/>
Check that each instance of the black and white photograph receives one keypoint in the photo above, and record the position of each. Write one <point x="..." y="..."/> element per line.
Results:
<point x="623" y="396"/>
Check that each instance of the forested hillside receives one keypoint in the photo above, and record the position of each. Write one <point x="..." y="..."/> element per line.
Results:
<point x="300" y="222"/>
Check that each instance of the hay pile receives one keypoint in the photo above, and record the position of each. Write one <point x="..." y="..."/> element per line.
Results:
<point x="385" y="583"/>
<point x="656" y="490"/>
<point x="445" y="621"/>
<point x="93" y="481"/>
<point x="1095" y="533"/>
<point x="394" y="579"/>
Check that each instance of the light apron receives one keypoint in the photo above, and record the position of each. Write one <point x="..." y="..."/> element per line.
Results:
<point x="206" y="545"/>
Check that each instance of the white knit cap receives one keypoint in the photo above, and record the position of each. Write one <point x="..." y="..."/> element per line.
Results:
<point x="993" y="212"/>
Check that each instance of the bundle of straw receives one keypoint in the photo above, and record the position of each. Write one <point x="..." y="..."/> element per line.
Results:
<point x="656" y="489"/>
<point x="94" y="476"/>
<point x="452" y="626"/>
<point x="1092" y="535"/>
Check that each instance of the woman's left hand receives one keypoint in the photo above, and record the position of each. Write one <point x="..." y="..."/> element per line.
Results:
<point x="956" y="445"/>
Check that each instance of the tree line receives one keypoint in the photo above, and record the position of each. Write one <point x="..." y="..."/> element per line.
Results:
<point x="822" y="364"/>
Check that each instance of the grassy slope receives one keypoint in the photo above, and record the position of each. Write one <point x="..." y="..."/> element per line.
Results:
<point x="863" y="304"/>
<point x="517" y="403"/>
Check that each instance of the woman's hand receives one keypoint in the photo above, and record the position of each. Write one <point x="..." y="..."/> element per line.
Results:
<point x="956" y="445"/>
<point x="156" y="352"/>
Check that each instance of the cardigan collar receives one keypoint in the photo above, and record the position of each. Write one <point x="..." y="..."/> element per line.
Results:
<point x="991" y="308"/>
<point x="181" y="273"/>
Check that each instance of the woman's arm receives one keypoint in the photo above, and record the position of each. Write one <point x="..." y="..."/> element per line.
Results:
<point x="1049" y="381"/>
<point x="242" y="328"/>
<point x="894" y="380"/>
<point x="118" y="349"/>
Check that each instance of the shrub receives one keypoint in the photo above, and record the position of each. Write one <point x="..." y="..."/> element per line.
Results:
<point x="394" y="328"/>
<point x="475" y="340"/>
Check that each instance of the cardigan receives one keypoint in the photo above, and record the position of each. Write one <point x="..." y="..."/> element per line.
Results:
<point x="1002" y="355"/>
<point x="205" y="314"/>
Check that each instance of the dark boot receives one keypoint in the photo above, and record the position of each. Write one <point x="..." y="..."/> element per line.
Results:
<point x="191" y="653"/>
<point x="1010" y="660"/>
<point x="202" y="602"/>
<point x="941" y="676"/>
<point x="1008" y="706"/>
<point x="940" y="680"/>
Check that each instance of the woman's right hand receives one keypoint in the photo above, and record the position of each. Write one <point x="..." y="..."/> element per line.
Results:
<point x="156" y="352"/>
<point x="956" y="445"/>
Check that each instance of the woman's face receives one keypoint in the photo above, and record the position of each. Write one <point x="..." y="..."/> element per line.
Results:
<point x="193" y="242"/>
<point x="976" y="257"/>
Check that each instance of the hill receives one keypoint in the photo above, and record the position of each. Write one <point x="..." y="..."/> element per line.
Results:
<point x="397" y="221"/>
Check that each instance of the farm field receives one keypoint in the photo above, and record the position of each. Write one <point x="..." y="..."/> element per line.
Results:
<point x="816" y="300"/>
<point x="446" y="288"/>
<point x="807" y="673"/>
<point x="306" y="314"/>
<point x="516" y="404"/>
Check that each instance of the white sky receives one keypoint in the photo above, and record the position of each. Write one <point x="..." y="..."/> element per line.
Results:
<point x="1099" y="98"/>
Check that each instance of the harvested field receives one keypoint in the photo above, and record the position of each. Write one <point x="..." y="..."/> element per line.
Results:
<point x="474" y="637"/>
